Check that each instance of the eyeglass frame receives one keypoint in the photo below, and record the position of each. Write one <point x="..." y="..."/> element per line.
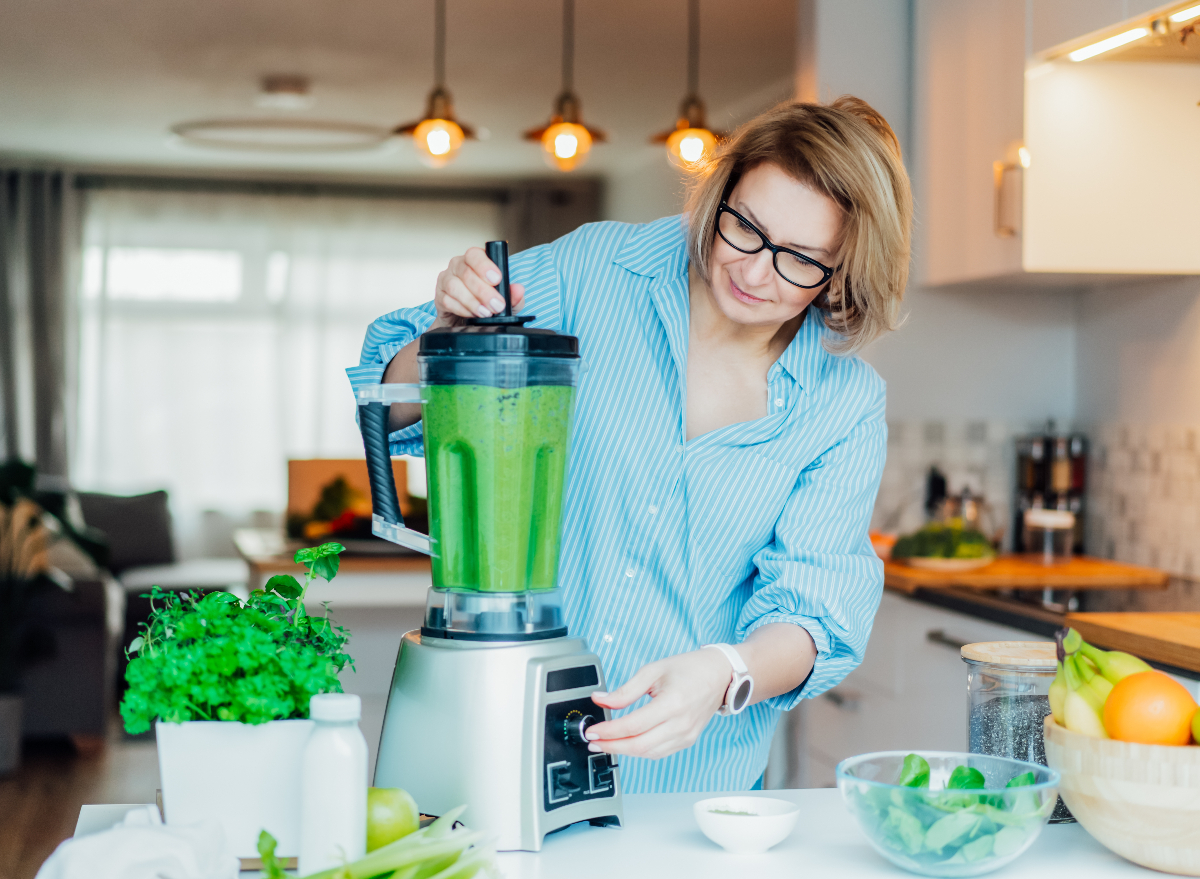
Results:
<point x="826" y="271"/>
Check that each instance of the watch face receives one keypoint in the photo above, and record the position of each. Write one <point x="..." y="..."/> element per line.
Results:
<point x="741" y="695"/>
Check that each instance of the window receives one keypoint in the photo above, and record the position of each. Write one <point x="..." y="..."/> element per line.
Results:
<point x="215" y="329"/>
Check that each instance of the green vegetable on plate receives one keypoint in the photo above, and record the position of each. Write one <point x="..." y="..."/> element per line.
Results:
<point x="949" y="540"/>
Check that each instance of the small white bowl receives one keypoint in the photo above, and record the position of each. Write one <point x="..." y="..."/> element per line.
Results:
<point x="746" y="825"/>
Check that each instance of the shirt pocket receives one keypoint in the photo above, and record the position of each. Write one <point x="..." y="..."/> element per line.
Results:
<point x="734" y="498"/>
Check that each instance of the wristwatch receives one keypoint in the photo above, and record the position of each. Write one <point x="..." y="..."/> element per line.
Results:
<point x="737" y="697"/>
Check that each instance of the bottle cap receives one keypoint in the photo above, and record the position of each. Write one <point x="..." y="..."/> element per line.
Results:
<point x="335" y="707"/>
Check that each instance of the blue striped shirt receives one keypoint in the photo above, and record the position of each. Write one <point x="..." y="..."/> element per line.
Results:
<point x="669" y="543"/>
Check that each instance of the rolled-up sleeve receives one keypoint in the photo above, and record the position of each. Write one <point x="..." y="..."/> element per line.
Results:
<point x="385" y="337"/>
<point x="536" y="268"/>
<point x="820" y="572"/>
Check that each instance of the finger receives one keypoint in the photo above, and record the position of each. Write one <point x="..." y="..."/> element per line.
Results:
<point x="516" y="293"/>
<point x="630" y="691"/>
<point x="455" y="290"/>
<point x="634" y="723"/>
<point x="661" y="741"/>
<point x="477" y="259"/>
<point x="487" y="294"/>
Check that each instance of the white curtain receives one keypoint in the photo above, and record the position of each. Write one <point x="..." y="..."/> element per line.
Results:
<point x="215" y="329"/>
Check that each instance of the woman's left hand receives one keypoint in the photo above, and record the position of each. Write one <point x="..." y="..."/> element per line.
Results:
<point x="685" y="692"/>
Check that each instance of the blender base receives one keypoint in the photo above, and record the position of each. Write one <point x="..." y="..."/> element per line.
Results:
<point x="498" y="726"/>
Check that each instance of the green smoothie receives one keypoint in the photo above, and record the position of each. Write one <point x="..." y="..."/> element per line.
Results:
<point x="496" y="460"/>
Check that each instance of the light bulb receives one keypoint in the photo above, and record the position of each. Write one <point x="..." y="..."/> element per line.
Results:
<point x="566" y="144"/>
<point x="687" y="148"/>
<point x="438" y="141"/>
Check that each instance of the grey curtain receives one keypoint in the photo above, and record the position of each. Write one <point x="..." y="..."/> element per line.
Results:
<point x="39" y="252"/>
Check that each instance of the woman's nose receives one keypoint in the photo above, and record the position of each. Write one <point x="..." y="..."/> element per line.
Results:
<point x="759" y="268"/>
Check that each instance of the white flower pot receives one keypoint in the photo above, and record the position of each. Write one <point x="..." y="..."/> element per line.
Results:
<point x="246" y="777"/>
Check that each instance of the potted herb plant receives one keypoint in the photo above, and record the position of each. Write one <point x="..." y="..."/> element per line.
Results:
<point x="226" y="685"/>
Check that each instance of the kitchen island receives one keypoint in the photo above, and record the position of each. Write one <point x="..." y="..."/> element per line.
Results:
<point x="661" y="841"/>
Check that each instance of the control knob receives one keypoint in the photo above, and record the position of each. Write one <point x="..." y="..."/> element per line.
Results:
<point x="577" y="728"/>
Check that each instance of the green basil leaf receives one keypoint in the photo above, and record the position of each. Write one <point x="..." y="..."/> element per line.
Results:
<point x="1025" y="779"/>
<point x="285" y="585"/>
<point x="326" y="567"/>
<point x="914" y="772"/>
<point x="964" y="778"/>
<point x="950" y="830"/>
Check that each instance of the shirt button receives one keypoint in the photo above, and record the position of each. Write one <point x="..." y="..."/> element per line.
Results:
<point x="653" y="510"/>
<point x="629" y="572"/>
<point x="779" y="401"/>
<point x="608" y="639"/>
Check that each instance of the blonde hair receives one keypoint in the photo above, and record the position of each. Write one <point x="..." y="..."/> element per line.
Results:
<point x="846" y="151"/>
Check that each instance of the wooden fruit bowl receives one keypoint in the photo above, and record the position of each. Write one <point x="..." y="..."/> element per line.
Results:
<point x="1140" y="801"/>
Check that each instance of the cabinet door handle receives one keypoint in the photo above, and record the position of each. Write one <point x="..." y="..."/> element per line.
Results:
<point x="939" y="636"/>
<point x="999" y="170"/>
<point x="848" y="701"/>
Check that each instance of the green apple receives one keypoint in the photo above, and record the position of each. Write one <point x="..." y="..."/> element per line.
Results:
<point x="391" y="814"/>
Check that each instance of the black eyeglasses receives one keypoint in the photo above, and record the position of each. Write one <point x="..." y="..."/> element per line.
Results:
<point x="743" y="236"/>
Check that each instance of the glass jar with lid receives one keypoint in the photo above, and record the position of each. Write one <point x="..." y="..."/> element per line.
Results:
<point x="1008" y="698"/>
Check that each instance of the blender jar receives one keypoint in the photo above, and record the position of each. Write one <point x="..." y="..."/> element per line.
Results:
<point x="496" y="407"/>
<point x="1008" y="698"/>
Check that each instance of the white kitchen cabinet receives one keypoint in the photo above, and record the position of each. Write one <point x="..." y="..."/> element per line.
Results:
<point x="1099" y="135"/>
<point x="910" y="693"/>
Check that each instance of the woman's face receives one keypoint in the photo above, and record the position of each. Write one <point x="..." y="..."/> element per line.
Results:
<point x="746" y="287"/>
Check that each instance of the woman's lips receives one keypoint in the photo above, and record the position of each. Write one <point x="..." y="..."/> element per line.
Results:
<point x="742" y="296"/>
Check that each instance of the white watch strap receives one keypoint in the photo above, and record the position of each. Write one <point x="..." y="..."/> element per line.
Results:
<point x="735" y="658"/>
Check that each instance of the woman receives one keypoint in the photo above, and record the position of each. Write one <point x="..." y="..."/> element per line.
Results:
<point x="727" y="446"/>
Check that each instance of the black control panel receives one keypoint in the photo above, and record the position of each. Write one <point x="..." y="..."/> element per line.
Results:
<point x="571" y="773"/>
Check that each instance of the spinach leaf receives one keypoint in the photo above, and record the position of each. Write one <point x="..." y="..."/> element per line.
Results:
<point x="1025" y="779"/>
<point x="949" y="830"/>
<point x="914" y="772"/>
<point x="964" y="778"/>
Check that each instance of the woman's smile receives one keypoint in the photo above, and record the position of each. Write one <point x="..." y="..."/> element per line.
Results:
<point x="742" y="296"/>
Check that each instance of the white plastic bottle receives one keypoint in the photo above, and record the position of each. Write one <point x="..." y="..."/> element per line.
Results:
<point x="333" y="788"/>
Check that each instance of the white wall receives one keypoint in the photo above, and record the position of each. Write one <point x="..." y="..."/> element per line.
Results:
<point x="1138" y="354"/>
<point x="1003" y="355"/>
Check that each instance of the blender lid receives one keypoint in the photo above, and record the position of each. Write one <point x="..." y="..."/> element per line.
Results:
<point x="480" y="338"/>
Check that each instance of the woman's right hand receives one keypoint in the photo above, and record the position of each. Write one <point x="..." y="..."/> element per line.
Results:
<point x="467" y="288"/>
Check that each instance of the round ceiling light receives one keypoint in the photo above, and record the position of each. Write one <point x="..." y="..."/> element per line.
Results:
<point x="281" y="135"/>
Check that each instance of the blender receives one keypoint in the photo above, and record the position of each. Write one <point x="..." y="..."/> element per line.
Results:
<point x="491" y="698"/>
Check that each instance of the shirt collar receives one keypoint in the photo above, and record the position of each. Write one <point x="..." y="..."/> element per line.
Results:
<point x="659" y="250"/>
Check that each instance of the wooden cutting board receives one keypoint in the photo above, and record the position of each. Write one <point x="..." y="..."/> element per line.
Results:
<point x="1169" y="638"/>
<point x="1028" y="572"/>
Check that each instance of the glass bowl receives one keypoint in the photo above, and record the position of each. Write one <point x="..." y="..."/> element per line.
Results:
<point x="936" y="831"/>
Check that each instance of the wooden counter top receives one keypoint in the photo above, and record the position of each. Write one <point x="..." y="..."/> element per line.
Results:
<point x="1169" y="638"/>
<point x="1028" y="572"/>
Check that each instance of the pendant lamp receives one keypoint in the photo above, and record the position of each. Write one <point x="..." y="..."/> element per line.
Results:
<point x="691" y="142"/>
<point x="438" y="135"/>
<point x="565" y="139"/>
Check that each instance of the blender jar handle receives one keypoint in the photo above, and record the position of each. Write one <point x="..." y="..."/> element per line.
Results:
<point x="386" y="519"/>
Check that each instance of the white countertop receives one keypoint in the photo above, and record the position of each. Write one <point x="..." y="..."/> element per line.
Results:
<point x="660" y="840"/>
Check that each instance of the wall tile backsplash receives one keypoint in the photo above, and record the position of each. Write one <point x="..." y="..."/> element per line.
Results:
<point x="974" y="454"/>
<point x="1143" y="493"/>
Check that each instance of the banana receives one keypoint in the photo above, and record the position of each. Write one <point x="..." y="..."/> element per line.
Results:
<point x="1070" y="640"/>
<point x="1100" y="685"/>
<point x="1081" y="707"/>
<point x="1058" y="695"/>
<point x="1113" y="664"/>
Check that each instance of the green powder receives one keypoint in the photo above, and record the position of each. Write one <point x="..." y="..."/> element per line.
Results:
<point x="496" y="460"/>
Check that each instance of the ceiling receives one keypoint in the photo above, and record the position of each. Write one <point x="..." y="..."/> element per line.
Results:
<point x="99" y="82"/>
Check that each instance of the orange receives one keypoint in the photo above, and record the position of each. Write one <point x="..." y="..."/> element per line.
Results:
<point x="1151" y="708"/>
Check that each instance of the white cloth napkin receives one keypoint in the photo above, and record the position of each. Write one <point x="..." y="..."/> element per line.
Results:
<point x="142" y="847"/>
